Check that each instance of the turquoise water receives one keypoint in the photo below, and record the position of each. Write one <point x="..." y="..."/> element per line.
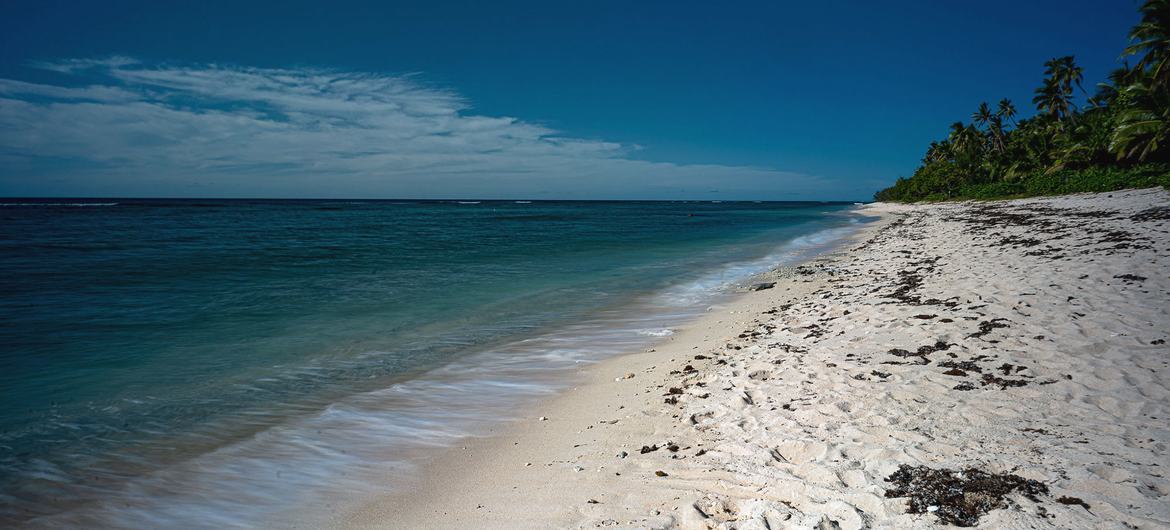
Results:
<point x="216" y="363"/>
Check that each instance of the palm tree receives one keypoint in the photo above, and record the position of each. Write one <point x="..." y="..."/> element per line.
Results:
<point x="994" y="123"/>
<point x="1151" y="39"/>
<point x="982" y="116"/>
<point x="1006" y="110"/>
<point x="1051" y="99"/>
<point x="1065" y="72"/>
<point x="1109" y="91"/>
<point x="937" y="152"/>
<point x="1055" y="96"/>
<point x="1143" y="127"/>
<point x="967" y="145"/>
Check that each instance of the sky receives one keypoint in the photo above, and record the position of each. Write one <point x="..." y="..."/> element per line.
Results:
<point x="779" y="100"/>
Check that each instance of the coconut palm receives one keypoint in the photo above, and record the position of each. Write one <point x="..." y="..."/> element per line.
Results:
<point x="1006" y="110"/>
<point x="1065" y="72"/>
<point x="1054" y="97"/>
<point x="1109" y="91"/>
<point x="1151" y="40"/>
<point x="993" y="122"/>
<point x="1051" y="99"/>
<point x="1143" y="128"/>
<point x="967" y="145"/>
<point x="937" y="152"/>
<point x="983" y="115"/>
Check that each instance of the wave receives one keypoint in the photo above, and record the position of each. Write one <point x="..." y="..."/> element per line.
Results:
<point x="737" y="274"/>
<point x="300" y="472"/>
<point x="666" y="332"/>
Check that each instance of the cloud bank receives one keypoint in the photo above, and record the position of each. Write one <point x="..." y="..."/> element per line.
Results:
<point x="117" y="127"/>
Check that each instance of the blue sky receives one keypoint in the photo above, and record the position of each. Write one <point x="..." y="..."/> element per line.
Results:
<point x="728" y="100"/>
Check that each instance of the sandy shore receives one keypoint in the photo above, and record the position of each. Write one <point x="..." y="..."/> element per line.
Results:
<point x="1024" y="340"/>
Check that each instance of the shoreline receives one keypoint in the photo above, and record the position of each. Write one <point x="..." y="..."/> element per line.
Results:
<point x="794" y="414"/>
<point x="455" y="477"/>
<point x="370" y="440"/>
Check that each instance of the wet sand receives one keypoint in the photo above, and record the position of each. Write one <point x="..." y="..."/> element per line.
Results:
<point x="1013" y="351"/>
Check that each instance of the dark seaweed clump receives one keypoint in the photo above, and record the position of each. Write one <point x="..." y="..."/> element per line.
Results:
<point x="986" y="326"/>
<point x="958" y="497"/>
<point x="1157" y="213"/>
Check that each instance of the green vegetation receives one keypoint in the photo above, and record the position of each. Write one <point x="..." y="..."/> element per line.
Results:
<point x="1119" y="139"/>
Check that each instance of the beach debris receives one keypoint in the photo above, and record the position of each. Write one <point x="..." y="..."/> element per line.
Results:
<point x="910" y="281"/>
<point x="921" y="354"/>
<point x="938" y="345"/>
<point x="1003" y="383"/>
<point x="761" y="286"/>
<point x="543" y="418"/>
<point x="986" y="326"/>
<point x="627" y="376"/>
<point x="965" y="366"/>
<point x="660" y="473"/>
<point x="578" y="469"/>
<point x="958" y="497"/>
<point x="1008" y="368"/>
<point x="623" y="454"/>
<point x="1131" y="278"/>
<point x="1065" y="499"/>
<point x="648" y="449"/>
<point x="593" y="501"/>
<point x="1157" y="213"/>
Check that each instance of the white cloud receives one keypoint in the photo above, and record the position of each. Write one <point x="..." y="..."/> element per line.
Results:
<point x="214" y="130"/>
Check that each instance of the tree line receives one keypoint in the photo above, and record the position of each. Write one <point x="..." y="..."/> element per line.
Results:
<point x="1120" y="138"/>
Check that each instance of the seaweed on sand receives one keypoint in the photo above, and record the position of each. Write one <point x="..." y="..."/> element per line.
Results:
<point x="959" y="497"/>
<point x="986" y="326"/>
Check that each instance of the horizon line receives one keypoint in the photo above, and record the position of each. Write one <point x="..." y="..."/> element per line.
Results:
<point x="446" y="199"/>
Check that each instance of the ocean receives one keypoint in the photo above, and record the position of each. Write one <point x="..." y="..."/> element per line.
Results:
<point x="220" y="363"/>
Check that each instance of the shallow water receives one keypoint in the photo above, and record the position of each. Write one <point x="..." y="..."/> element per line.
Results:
<point x="213" y="363"/>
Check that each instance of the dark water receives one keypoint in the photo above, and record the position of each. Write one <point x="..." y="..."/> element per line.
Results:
<point x="210" y="363"/>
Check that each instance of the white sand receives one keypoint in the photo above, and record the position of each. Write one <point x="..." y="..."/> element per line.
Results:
<point x="795" y="419"/>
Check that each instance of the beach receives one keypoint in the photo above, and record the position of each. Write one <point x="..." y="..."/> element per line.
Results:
<point x="1012" y="351"/>
<point x="246" y="363"/>
<point x="425" y="265"/>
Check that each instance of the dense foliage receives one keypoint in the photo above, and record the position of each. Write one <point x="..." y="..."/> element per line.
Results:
<point x="1119" y="138"/>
